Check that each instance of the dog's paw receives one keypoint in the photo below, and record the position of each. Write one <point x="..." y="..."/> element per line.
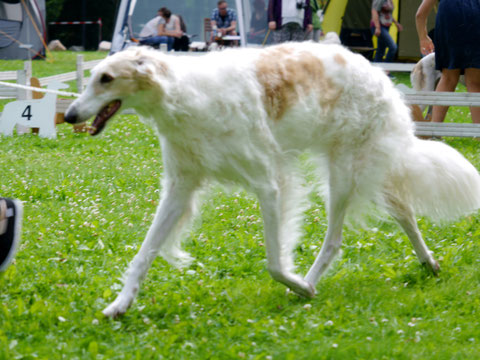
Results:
<point x="304" y="289"/>
<point x="118" y="307"/>
<point x="433" y="266"/>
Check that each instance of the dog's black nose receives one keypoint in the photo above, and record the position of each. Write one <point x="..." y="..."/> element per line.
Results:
<point x="71" y="116"/>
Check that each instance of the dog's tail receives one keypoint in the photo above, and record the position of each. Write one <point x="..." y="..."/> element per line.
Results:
<point x="417" y="77"/>
<point x="435" y="180"/>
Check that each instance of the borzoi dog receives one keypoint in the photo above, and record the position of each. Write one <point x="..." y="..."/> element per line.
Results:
<point x="245" y="116"/>
<point x="424" y="76"/>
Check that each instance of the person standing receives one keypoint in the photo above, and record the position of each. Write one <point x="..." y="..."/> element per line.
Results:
<point x="290" y="20"/>
<point x="457" y="46"/>
<point x="382" y="19"/>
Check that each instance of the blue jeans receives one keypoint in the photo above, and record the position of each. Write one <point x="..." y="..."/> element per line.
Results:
<point x="157" y="40"/>
<point x="384" y="41"/>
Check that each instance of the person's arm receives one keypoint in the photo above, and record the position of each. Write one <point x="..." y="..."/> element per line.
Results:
<point x="398" y="25"/>
<point x="376" y="21"/>
<point x="233" y="24"/>
<point x="272" y="25"/>
<point x="177" y="32"/>
<point x="232" y="27"/>
<point x="426" y="44"/>
<point x="213" y="22"/>
<point x="161" y="29"/>
<point x="308" y="18"/>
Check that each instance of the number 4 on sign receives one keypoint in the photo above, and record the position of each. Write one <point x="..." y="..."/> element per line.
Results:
<point x="36" y="113"/>
<point x="27" y="113"/>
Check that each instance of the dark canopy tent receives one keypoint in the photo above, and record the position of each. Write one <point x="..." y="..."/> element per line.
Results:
<point x="22" y="22"/>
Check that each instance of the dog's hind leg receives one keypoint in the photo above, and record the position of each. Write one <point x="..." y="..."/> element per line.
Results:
<point x="405" y="216"/>
<point x="174" y="208"/>
<point x="341" y="188"/>
<point x="280" y="231"/>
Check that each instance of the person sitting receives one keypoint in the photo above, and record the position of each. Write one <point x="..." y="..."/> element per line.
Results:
<point x="182" y="43"/>
<point x="167" y="29"/>
<point x="224" y="20"/>
<point x="170" y="28"/>
<point x="150" y="31"/>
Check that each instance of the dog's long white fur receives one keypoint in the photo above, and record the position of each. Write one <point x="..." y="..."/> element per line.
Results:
<point x="244" y="116"/>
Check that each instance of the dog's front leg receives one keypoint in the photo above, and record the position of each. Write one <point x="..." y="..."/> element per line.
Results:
<point x="279" y="254"/>
<point x="174" y="206"/>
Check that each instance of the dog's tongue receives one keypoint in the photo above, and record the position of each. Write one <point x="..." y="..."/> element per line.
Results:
<point x="101" y="119"/>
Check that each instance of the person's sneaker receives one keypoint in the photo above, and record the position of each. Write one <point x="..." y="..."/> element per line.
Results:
<point x="10" y="227"/>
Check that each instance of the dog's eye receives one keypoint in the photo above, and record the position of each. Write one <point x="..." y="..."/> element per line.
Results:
<point x="105" y="79"/>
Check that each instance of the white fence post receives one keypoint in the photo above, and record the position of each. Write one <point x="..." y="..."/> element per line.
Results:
<point x="27" y="67"/>
<point x="80" y="73"/>
<point x="22" y="80"/>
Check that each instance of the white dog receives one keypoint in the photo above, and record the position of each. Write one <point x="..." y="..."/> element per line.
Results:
<point x="424" y="76"/>
<point x="245" y="115"/>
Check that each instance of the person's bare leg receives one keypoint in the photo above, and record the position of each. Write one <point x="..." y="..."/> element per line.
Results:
<point x="448" y="82"/>
<point x="472" y="81"/>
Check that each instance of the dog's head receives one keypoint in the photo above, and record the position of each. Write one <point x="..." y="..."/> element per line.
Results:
<point x="115" y="82"/>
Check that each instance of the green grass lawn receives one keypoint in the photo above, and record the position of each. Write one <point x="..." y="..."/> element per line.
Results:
<point x="88" y="203"/>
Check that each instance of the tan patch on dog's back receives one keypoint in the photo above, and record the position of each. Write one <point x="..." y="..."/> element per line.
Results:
<point x="339" y="59"/>
<point x="287" y="76"/>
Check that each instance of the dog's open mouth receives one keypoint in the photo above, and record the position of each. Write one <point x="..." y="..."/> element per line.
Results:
<point x="102" y="117"/>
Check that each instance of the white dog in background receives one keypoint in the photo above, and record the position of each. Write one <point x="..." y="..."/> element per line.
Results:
<point x="424" y="76"/>
<point x="245" y="115"/>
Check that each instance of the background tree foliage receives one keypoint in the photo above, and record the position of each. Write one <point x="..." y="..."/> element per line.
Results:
<point x="81" y="10"/>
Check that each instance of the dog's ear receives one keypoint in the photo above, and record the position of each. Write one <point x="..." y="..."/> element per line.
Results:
<point x="148" y="65"/>
<point x="141" y="66"/>
<point x="140" y="62"/>
<point x="149" y="71"/>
